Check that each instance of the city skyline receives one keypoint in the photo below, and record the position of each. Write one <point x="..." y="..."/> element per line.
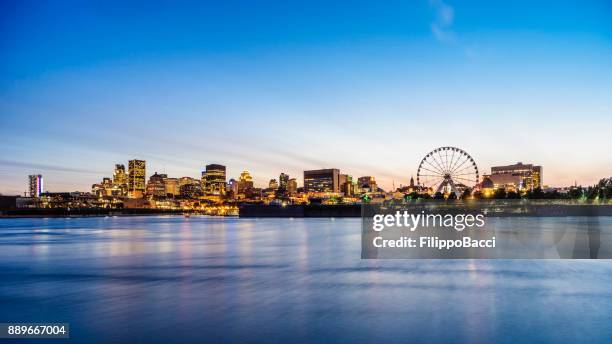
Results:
<point x="365" y="88"/>
<point x="217" y="176"/>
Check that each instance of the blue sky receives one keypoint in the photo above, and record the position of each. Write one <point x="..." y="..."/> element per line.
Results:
<point x="367" y="87"/>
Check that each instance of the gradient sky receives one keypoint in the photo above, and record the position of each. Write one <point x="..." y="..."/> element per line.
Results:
<point x="367" y="87"/>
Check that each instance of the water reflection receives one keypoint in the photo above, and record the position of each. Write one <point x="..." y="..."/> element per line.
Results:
<point x="172" y="279"/>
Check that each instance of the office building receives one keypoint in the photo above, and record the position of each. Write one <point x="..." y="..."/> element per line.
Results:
<point x="136" y="178"/>
<point x="273" y="184"/>
<point x="120" y="181"/>
<point x="520" y="177"/>
<point x="155" y="186"/>
<point x="213" y="180"/>
<point x="324" y="180"/>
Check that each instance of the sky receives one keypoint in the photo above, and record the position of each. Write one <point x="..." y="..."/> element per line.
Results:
<point x="369" y="87"/>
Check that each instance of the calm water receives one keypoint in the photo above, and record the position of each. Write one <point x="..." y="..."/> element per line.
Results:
<point x="175" y="279"/>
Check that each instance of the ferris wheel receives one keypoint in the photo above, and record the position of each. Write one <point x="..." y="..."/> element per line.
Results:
<point x="446" y="170"/>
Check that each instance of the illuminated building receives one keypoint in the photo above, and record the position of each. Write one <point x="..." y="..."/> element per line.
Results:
<point x="346" y="185"/>
<point x="506" y="181"/>
<point x="367" y="184"/>
<point x="245" y="182"/>
<point x="155" y="186"/>
<point x="189" y="187"/>
<point x="213" y="180"/>
<point x="342" y="180"/>
<point x="325" y="180"/>
<point x="136" y="178"/>
<point x="107" y="185"/>
<point x="67" y="200"/>
<point x="291" y="186"/>
<point x="172" y="186"/>
<point x="487" y="186"/>
<point x="283" y="180"/>
<point x="187" y="180"/>
<point x="232" y="186"/>
<point x="120" y="181"/>
<point x="98" y="190"/>
<point x="518" y="176"/>
<point x="273" y="184"/>
<point x="35" y="185"/>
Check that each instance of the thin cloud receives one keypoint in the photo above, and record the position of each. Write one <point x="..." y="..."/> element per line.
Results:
<point x="44" y="167"/>
<point x="442" y="25"/>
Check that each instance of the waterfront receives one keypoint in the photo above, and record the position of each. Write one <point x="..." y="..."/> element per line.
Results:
<point x="170" y="278"/>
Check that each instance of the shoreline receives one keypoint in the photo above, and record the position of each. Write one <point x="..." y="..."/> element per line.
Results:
<point x="325" y="211"/>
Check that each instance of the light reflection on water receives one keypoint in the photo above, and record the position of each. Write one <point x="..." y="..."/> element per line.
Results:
<point x="169" y="279"/>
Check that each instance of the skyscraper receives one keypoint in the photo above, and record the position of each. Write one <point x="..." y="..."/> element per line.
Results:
<point x="35" y="185"/>
<point x="136" y="178"/>
<point x="214" y="179"/>
<point x="120" y="180"/>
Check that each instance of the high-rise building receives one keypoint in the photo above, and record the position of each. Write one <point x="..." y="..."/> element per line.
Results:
<point x="291" y="186"/>
<point x="283" y="179"/>
<point x="273" y="184"/>
<point x="325" y="180"/>
<point x="35" y="185"/>
<point x="155" y="186"/>
<point x="213" y="179"/>
<point x="245" y="182"/>
<point x="521" y="176"/>
<point x="136" y="178"/>
<point x="120" y="181"/>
